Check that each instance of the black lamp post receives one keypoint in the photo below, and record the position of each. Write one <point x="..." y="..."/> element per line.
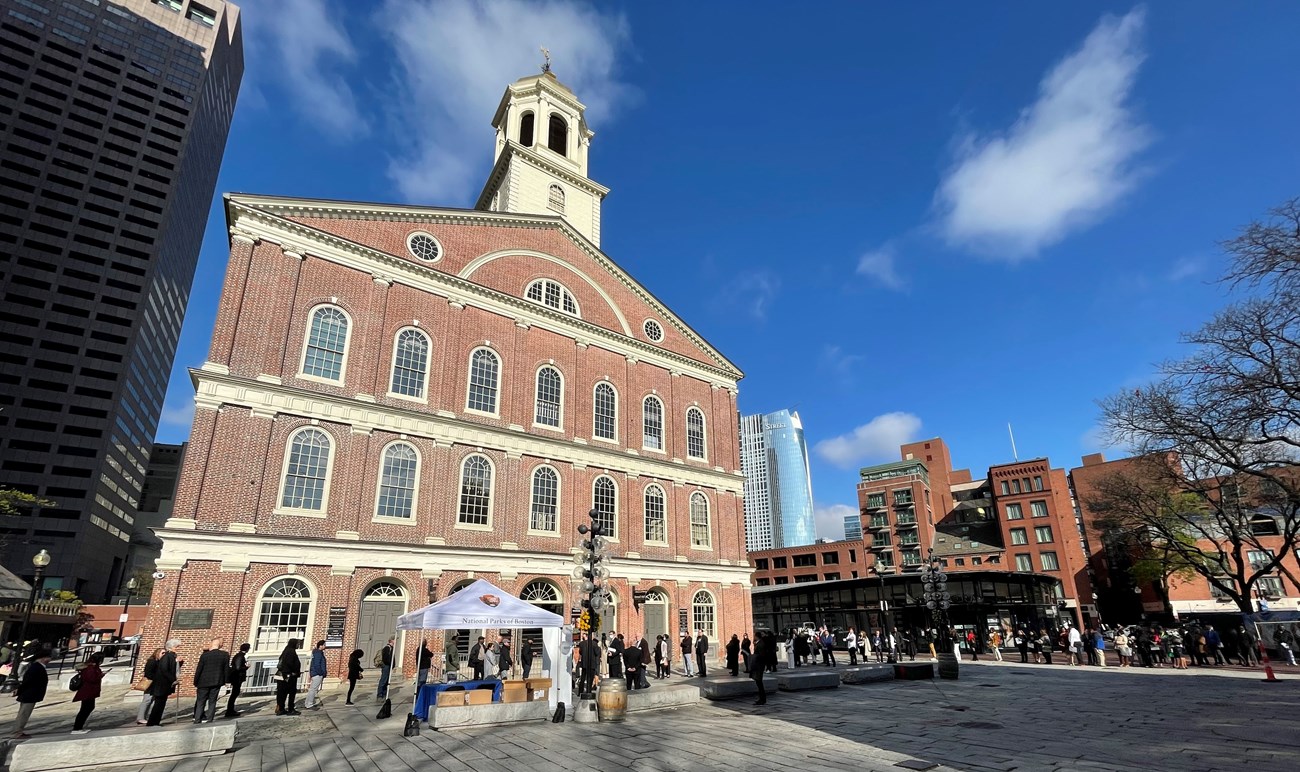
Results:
<point x="592" y="569"/>
<point x="938" y="600"/>
<point x="131" y="585"/>
<point x="40" y="560"/>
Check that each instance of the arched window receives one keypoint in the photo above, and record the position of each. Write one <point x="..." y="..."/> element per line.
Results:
<point x="543" y="594"/>
<point x="475" y="492"/>
<point x="397" y="478"/>
<point x="555" y="199"/>
<point x="484" y="375"/>
<point x="553" y="295"/>
<point x="700" y="531"/>
<point x="557" y="138"/>
<point x="410" y="363"/>
<point x="385" y="591"/>
<point x="283" y="613"/>
<point x="695" y="433"/>
<point x="652" y="420"/>
<point x="604" y="499"/>
<point x="327" y="344"/>
<point x="306" y="472"/>
<point x="703" y="614"/>
<point x="605" y="412"/>
<point x="546" y="500"/>
<point x="656" y="529"/>
<point x="526" y="129"/>
<point x="550" y="387"/>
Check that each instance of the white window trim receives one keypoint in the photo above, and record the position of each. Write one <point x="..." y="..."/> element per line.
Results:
<point x="492" y="495"/>
<point x="442" y="252"/>
<point x="428" y="365"/>
<point x="564" y="291"/>
<point x="617" y="497"/>
<point x="347" y="346"/>
<point x="415" y="491"/>
<point x="704" y="434"/>
<point x="708" y="514"/>
<point x="469" y="383"/>
<point x="664" y="496"/>
<point x="559" y="503"/>
<point x="594" y="436"/>
<point x="323" y="512"/>
<point x="663" y="331"/>
<point x="713" y="601"/>
<point x="538" y="374"/>
<point x="313" y="597"/>
<point x="663" y="426"/>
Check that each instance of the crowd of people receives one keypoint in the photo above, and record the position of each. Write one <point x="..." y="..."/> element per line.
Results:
<point x="1192" y="644"/>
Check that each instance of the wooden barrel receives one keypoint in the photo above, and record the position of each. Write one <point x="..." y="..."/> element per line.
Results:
<point x="947" y="665"/>
<point x="611" y="700"/>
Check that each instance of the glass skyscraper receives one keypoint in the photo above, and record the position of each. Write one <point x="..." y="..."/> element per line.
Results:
<point x="778" y="485"/>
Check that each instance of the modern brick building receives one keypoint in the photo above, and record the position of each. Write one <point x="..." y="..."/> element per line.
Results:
<point x="822" y="561"/>
<point x="401" y="399"/>
<point x="113" y="123"/>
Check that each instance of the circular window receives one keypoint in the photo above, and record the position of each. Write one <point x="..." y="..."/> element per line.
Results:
<point x="653" y="331"/>
<point x="424" y="246"/>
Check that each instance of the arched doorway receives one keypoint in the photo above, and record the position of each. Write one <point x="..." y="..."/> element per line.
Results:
<point x="381" y="604"/>
<point x="547" y="597"/>
<point x="654" y="612"/>
<point x="609" y="614"/>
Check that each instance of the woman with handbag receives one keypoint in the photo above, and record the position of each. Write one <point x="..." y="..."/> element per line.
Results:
<point x="354" y="672"/>
<point x="165" y="677"/>
<point x="90" y="676"/>
<point x="287" y="670"/>
<point x="146" y="680"/>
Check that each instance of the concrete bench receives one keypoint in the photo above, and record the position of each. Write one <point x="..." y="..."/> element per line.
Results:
<point x="727" y="687"/>
<point x="664" y="696"/>
<point x="135" y="745"/>
<point x="914" y="671"/>
<point x="808" y="679"/>
<point x="866" y="674"/>
<point x="491" y="714"/>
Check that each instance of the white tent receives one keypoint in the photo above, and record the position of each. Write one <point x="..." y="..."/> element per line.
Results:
<point x="483" y="605"/>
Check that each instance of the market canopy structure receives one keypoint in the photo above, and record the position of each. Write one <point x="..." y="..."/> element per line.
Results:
<point x="479" y="605"/>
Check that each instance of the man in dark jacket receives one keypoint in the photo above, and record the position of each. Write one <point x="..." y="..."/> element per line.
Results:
<point x="526" y="656"/>
<point x="686" y="653"/>
<point x="166" y="675"/>
<point x="209" y="676"/>
<point x="31" y="690"/>
<point x="701" y="650"/>
<point x="588" y="663"/>
<point x="646" y="658"/>
<point x="425" y="662"/>
<point x="632" y="667"/>
<point x="764" y="656"/>
<point x="238" y="673"/>
<point x="476" y="658"/>
<point x="616" y="656"/>
<point x="386" y="668"/>
<point x="316" y="673"/>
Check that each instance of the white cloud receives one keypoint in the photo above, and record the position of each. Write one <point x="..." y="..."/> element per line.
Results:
<point x="877" y="439"/>
<point x="830" y="520"/>
<point x="1186" y="268"/>
<point x="303" y="46"/>
<point x="178" y="415"/>
<point x="752" y="292"/>
<point x="455" y="58"/>
<point x="879" y="264"/>
<point x="1067" y="159"/>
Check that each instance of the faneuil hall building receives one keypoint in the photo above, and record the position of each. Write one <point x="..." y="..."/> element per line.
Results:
<point x="401" y="399"/>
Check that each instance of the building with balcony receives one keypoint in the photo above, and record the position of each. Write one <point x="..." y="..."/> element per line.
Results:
<point x="778" y="484"/>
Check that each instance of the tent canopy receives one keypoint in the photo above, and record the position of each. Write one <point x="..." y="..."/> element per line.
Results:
<point x="480" y="605"/>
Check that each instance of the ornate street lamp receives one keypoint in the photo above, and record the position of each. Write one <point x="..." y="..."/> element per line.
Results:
<point x="131" y="585"/>
<point x="40" y="560"/>
<point x="592" y="572"/>
<point x="938" y="600"/>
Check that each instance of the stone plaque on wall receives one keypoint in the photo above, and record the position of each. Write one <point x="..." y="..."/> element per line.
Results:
<point x="192" y="619"/>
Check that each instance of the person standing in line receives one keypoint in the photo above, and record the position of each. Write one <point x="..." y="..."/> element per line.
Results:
<point x="878" y="645"/>
<point x="851" y="641"/>
<point x="701" y="653"/>
<point x="31" y="690"/>
<point x="686" y="655"/>
<point x="1214" y="644"/>
<point x="828" y="648"/>
<point x="614" y="655"/>
<point x="316" y="673"/>
<point x="746" y="652"/>
<point x="659" y="657"/>
<point x="505" y="656"/>
<point x="238" y="674"/>
<point x="451" y="652"/>
<point x="995" y="642"/>
<point x="91" y="678"/>
<point x="972" y="642"/>
<point x="491" y="661"/>
<point x="764" y="656"/>
<point x="210" y="675"/>
<point x="166" y="675"/>
<point x="386" y="669"/>
<point x="423" y="663"/>
<point x="1247" y="655"/>
<point x="1100" y="644"/>
<point x="588" y="662"/>
<point x="1022" y="644"/>
<point x="631" y="663"/>
<point x="1122" y="648"/>
<point x="1043" y="646"/>
<point x="288" y="668"/>
<point x="1076" y="645"/>
<point x="526" y="653"/>
<point x="643" y="678"/>
<point x="150" y="670"/>
<point x="354" y="673"/>
<point x="733" y="655"/>
<point x="476" y="659"/>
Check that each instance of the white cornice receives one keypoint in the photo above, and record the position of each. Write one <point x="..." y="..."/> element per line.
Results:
<point x="214" y="389"/>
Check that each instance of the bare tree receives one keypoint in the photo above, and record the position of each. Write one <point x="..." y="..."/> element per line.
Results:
<point x="1222" y="428"/>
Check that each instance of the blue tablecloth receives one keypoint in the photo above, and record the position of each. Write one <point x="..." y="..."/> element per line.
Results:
<point x="428" y="696"/>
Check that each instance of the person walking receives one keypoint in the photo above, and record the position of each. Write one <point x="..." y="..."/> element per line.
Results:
<point x="733" y="655"/>
<point x="91" y="678"/>
<point x="166" y="675"/>
<point x="424" y="661"/>
<point x="685" y="646"/>
<point x="526" y="653"/>
<point x="287" y="669"/>
<point x="746" y="652"/>
<point x="386" y="669"/>
<point x="972" y="642"/>
<point x="476" y="659"/>
<point x="701" y="653"/>
<point x="354" y="673"/>
<point x="31" y="690"/>
<point x="316" y="673"/>
<point x="237" y="675"/>
<point x="764" y="656"/>
<point x="147" y="674"/>
<point x="995" y="643"/>
<point x="210" y="675"/>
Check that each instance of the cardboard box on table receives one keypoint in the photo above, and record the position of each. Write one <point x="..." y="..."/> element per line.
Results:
<point x="514" y="691"/>
<point x="451" y="699"/>
<point x="538" y="689"/>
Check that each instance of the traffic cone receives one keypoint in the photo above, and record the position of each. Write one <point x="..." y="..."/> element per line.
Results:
<point x="1268" y="669"/>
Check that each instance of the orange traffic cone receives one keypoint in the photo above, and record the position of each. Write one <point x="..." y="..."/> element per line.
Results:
<point x="1268" y="669"/>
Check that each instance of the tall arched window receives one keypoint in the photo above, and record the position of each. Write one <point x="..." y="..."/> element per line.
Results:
<point x="327" y="344"/>
<point x="700" y="531"/>
<point x="410" y="363"/>
<point x="557" y="137"/>
<point x="550" y="387"/>
<point x="475" y="492"/>
<point x="526" y="129"/>
<point x="397" y="478"/>
<point x="555" y="199"/>
<point x="484" y="381"/>
<point x="652" y="421"/>
<point x="605" y="412"/>
<point x="546" y="500"/>
<point x="656" y="529"/>
<point x="704" y="614"/>
<point x="306" y="472"/>
<point x="283" y="613"/>
<point x="604" y="499"/>
<point x="695" y="433"/>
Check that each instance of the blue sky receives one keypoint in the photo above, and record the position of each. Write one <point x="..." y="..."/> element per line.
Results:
<point x="905" y="220"/>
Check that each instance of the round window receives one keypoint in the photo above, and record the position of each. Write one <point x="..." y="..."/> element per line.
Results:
<point x="653" y="331"/>
<point x="424" y="246"/>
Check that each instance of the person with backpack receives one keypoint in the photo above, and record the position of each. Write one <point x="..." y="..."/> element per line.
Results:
<point x="384" y="661"/>
<point x="476" y="658"/>
<point x="238" y="674"/>
<point x="86" y="684"/>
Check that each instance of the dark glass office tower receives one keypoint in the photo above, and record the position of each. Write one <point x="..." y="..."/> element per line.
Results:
<point x="113" y="121"/>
